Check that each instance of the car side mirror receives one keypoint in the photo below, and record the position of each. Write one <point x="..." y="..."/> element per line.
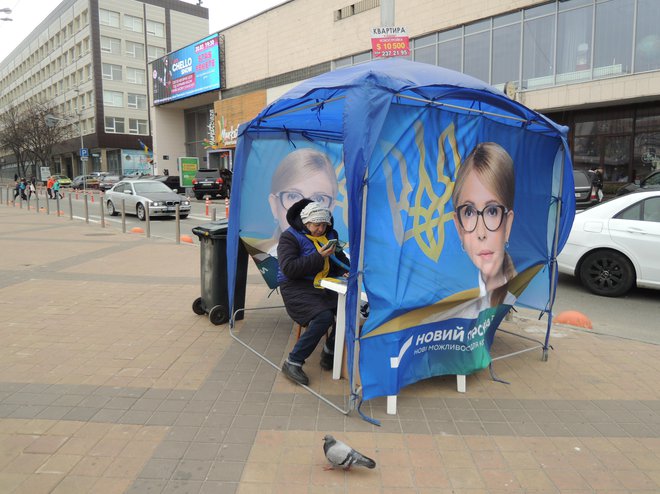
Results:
<point x="129" y="192"/>
<point x="176" y="191"/>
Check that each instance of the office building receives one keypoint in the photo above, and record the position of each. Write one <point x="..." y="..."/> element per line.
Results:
<point x="89" y="60"/>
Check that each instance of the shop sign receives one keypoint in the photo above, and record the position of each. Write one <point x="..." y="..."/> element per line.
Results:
<point x="389" y="42"/>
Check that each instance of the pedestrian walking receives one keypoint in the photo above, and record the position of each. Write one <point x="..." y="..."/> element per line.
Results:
<point x="31" y="190"/>
<point x="23" y="188"/>
<point x="49" y="187"/>
<point x="56" y="189"/>
<point x="17" y="189"/>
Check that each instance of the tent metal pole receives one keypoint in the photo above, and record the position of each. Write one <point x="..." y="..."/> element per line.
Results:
<point x="456" y="107"/>
<point x="356" y="343"/>
<point x="232" y="322"/>
<point x="553" y="262"/>
<point x="304" y="107"/>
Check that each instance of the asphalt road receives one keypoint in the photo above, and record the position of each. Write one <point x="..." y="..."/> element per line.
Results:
<point x="635" y="315"/>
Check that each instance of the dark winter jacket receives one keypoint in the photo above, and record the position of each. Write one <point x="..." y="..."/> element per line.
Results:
<point x="299" y="262"/>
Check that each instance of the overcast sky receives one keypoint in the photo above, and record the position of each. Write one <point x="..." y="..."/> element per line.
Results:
<point x="27" y="14"/>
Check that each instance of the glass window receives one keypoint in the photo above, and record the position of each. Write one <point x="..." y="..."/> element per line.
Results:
<point x="113" y="98"/>
<point x="111" y="71"/>
<point x="135" y="50"/>
<point x="648" y="118"/>
<point x="505" y="20"/>
<point x="477" y="56"/>
<point x="613" y="38"/>
<point x="132" y="23"/>
<point x="108" y="18"/>
<point x="110" y="45"/>
<point x="114" y="125"/>
<point x="538" y="51"/>
<point x="506" y="54"/>
<point x="652" y="210"/>
<point x="155" y="28"/>
<point x="634" y="212"/>
<point x="450" y="54"/>
<point x="616" y="151"/>
<point x="138" y="101"/>
<point x="154" y="52"/>
<point x="646" y="156"/>
<point x="425" y="54"/>
<point x="361" y="57"/>
<point x="647" y="39"/>
<point x="574" y="44"/>
<point x="135" y="76"/>
<point x="137" y="126"/>
<point x="477" y="27"/>
<point x="451" y="34"/>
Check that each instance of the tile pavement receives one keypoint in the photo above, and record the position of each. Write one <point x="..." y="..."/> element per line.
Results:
<point x="109" y="383"/>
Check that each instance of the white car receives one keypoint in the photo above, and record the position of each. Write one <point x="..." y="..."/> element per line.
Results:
<point x="137" y="195"/>
<point x="616" y="245"/>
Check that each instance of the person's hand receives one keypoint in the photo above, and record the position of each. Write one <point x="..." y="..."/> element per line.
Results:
<point x="327" y="250"/>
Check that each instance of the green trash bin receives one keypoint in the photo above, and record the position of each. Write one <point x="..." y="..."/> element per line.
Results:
<point x="213" y="254"/>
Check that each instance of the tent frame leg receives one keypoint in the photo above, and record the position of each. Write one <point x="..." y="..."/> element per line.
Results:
<point x="275" y="366"/>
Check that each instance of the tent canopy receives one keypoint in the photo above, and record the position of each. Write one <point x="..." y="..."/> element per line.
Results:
<point x="396" y="133"/>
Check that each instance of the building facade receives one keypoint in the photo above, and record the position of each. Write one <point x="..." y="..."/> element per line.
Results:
<point x="89" y="60"/>
<point x="593" y="65"/>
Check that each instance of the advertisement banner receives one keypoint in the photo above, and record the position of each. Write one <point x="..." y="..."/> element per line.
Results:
<point x="187" y="169"/>
<point x="134" y="162"/>
<point x="192" y="70"/>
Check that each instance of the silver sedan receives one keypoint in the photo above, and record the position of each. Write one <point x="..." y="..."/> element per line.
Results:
<point x="140" y="194"/>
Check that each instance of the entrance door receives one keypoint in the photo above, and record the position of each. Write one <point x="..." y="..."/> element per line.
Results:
<point x="220" y="158"/>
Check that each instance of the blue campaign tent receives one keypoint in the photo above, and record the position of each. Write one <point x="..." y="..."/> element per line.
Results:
<point x="396" y="132"/>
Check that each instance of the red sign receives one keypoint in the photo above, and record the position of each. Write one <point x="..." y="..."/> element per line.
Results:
<point x="394" y="46"/>
<point x="390" y="41"/>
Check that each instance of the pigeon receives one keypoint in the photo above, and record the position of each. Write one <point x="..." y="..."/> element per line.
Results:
<point x="343" y="456"/>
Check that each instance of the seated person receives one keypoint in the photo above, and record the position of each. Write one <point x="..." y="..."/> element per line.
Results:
<point x="305" y="257"/>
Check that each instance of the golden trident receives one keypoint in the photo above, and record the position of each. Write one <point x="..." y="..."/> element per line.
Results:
<point x="428" y="222"/>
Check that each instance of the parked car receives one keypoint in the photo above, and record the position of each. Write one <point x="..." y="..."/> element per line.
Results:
<point x="172" y="181"/>
<point x="99" y="174"/>
<point x="614" y="245"/>
<point x="138" y="193"/>
<point x="650" y="182"/>
<point x="586" y="189"/>
<point x="106" y="182"/>
<point x="208" y="181"/>
<point x="64" y="180"/>
<point x="85" y="181"/>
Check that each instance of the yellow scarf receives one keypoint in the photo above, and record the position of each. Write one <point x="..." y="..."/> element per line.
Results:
<point x="319" y="242"/>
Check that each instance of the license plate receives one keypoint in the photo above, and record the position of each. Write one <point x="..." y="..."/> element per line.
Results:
<point x="206" y="185"/>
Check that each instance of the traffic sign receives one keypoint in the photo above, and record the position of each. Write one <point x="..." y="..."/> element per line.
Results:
<point x="84" y="152"/>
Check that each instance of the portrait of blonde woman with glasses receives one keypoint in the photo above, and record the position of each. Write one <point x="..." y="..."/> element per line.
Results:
<point x="483" y="198"/>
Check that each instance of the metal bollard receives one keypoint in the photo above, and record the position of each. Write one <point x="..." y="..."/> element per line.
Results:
<point x="214" y="216"/>
<point x="102" y="213"/>
<point x="57" y="198"/>
<point x="86" y="209"/>
<point x="48" y="205"/>
<point x="177" y="220"/>
<point x="36" y="199"/>
<point x="70" y="207"/>
<point x="147" y="219"/>
<point x="20" y="196"/>
<point x="123" y="215"/>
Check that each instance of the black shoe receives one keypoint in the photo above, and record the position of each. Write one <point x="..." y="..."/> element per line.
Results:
<point x="327" y="360"/>
<point x="295" y="373"/>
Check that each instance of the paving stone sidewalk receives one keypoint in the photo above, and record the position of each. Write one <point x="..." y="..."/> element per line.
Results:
<point x="109" y="383"/>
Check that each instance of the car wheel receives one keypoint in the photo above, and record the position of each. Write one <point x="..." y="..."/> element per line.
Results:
<point x="607" y="273"/>
<point x="111" y="209"/>
<point x="218" y="315"/>
<point x="141" y="212"/>
<point x="198" y="306"/>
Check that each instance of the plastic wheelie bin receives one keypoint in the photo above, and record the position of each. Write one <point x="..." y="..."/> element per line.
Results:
<point x="213" y="254"/>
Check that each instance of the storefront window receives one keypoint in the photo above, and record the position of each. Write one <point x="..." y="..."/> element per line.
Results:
<point x="538" y="51"/>
<point x="613" y="38"/>
<point x="647" y="153"/>
<point x="477" y="55"/>
<point x="506" y="54"/>
<point x="574" y="45"/>
<point x="450" y="54"/>
<point x="647" y="40"/>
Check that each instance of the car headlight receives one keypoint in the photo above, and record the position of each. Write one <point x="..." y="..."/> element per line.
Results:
<point x="185" y="203"/>
<point x="156" y="203"/>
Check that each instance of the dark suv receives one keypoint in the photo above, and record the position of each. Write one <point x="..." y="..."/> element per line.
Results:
<point x="586" y="189"/>
<point x="208" y="181"/>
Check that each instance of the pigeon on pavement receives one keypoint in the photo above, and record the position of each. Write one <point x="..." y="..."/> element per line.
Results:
<point x="341" y="455"/>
